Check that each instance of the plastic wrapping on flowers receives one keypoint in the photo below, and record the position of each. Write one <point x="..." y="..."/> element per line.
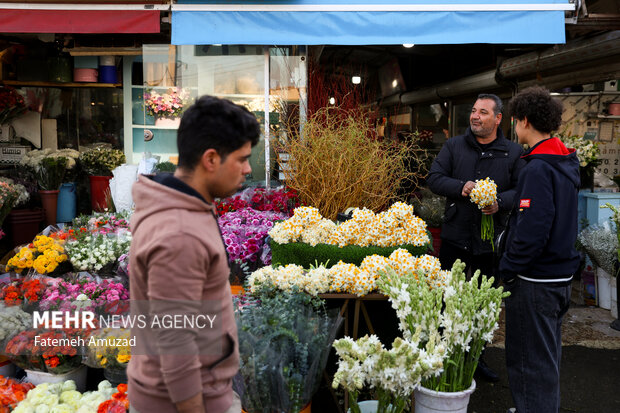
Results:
<point x="12" y="392"/>
<point x="64" y="398"/>
<point x="27" y="350"/>
<point x="284" y="341"/>
<point x="108" y="348"/>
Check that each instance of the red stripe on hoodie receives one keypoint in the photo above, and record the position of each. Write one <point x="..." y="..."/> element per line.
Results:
<point x="551" y="146"/>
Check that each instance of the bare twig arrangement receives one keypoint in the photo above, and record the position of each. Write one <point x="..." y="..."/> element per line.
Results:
<point x="338" y="162"/>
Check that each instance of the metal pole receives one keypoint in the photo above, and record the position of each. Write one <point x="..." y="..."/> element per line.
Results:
<point x="267" y="86"/>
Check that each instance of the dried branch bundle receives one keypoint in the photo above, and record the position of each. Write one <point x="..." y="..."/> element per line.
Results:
<point x="338" y="162"/>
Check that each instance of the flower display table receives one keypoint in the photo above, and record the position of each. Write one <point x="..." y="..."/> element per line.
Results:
<point x="358" y="304"/>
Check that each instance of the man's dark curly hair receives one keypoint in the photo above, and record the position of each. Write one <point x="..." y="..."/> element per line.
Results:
<point x="213" y="123"/>
<point x="541" y="110"/>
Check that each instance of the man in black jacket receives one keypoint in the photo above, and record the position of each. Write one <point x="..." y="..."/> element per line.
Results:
<point x="540" y="258"/>
<point x="481" y="152"/>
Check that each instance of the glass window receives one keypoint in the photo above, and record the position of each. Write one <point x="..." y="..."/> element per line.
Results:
<point x="234" y="72"/>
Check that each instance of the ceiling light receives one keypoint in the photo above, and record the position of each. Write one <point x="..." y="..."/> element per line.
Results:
<point x="356" y="80"/>
<point x="394" y="83"/>
<point x="332" y="101"/>
<point x="408" y="45"/>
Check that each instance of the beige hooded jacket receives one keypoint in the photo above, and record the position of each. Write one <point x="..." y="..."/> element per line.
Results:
<point x="177" y="256"/>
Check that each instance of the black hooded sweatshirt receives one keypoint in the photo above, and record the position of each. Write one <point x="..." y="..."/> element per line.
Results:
<point x="540" y="245"/>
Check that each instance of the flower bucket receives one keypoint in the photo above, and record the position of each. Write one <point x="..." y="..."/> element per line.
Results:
<point x="115" y="376"/>
<point x="430" y="401"/>
<point x="99" y="185"/>
<point x="66" y="203"/>
<point x="436" y="233"/>
<point x="49" y="199"/>
<point x="367" y="406"/>
<point x="614" y="296"/>
<point x="7" y="369"/>
<point x="236" y="289"/>
<point x="168" y="123"/>
<point x="603" y="289"/>
<point x="307" y="409"/>
<point x="23" y="225"/>
<point x="78" y="375"/>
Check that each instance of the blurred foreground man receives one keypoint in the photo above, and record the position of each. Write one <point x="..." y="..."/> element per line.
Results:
<point x="540" y="258"/>
<point x="179" y="266"/>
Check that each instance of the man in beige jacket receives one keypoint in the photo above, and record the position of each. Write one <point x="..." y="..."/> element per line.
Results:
<point x="179" y="267"/>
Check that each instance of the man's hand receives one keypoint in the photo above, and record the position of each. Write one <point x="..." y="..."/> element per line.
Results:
<point x="491" y="209"/>
<point x="191" y="405"/>
<point x="469" y="185"/>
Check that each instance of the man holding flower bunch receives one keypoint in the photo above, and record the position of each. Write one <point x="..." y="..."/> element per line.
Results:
<point x="179" y="265"/>
<point x="540" y="258"/>
<point x="482" y="152"/>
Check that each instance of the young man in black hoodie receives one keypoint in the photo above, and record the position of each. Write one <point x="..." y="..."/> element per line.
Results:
<point x="540" y="259"/>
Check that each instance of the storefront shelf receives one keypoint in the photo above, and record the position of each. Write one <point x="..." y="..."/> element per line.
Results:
<point x="36" y="83"/>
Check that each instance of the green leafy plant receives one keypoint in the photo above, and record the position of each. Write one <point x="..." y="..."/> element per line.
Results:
<point x="101" y="160"/>
<point x="165" y="167"/>
<point x="284" y="341"/>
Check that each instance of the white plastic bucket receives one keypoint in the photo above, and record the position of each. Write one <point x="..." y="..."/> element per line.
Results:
<point x="614" y="297"/>
<point x="78" y="375"/>
<point x="603" y="288"/>
<point x="367" y="406"/>
<point x="430" y="401"/>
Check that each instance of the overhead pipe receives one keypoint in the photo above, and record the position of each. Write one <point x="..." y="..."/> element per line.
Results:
<point x="573" y="53"/>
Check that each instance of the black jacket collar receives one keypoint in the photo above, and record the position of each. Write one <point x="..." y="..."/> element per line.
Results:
<point x="500" y="143"/>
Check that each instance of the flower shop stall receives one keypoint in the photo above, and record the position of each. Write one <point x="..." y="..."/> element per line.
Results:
<point x="80" y="268"/>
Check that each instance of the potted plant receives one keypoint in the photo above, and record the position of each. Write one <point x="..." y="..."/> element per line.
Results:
<point x="48" y="168"/>
<point x="99" y="162"/>
<point x="166" y="107"/>
<point x="430" y="208"/>
<point x="284" y="341"/>
<point x="458" y="314"/>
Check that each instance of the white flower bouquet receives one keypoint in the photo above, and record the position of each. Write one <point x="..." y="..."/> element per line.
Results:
<point x="13" y="320"/>
<point x="483" y="195"/>
<point x="393" y="374"/>
<point x="461" y="316"/>
<point x="346" y="277"/>
<point x="588" y="151"/>
<point x="93" y="251"/>
<point x="64" y="398"/>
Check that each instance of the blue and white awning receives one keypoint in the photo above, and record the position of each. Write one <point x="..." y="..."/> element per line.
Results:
<point x="359" y="22"/>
